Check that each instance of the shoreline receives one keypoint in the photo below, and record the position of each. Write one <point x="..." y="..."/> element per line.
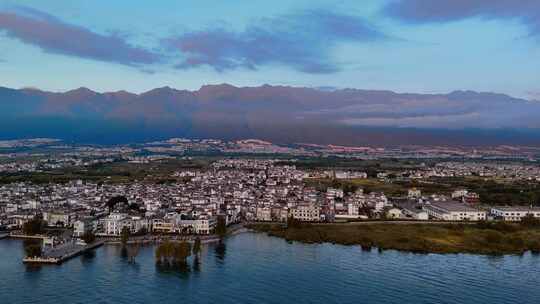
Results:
<point x="415" y="238"/>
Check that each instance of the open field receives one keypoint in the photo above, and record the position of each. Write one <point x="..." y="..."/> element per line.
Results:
<point x="117" y="172"/>
<point x="491" y="191"/>
<point x="482" y="238"/>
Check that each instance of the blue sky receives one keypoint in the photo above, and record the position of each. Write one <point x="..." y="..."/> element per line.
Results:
<point x="402" y="45"/>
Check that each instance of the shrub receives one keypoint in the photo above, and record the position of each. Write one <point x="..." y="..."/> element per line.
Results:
<point x="88" y="237"/>
<point x="530" y="221"/>
<point x="504" y="227"/>
<point x="515" y="241"/>
<point x="483" y="224"/>
<point x="493" y="237"/>
<point x="34" y="226"/>
<point x="534" y="246"/>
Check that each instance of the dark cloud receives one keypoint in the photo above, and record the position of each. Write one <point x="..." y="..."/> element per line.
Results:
<point x="426" y="11"/>
<point x="303" y="41"/>
<point x="54" y="36"/>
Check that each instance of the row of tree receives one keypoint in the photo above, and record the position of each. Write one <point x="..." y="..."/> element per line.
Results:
<point x="35" y="226"/>
<point x="175" y="253"/>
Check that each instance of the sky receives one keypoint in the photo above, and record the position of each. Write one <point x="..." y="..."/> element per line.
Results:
<point x="420" y="46"/>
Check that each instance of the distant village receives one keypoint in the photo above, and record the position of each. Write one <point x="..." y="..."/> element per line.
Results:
<point x="44" y="154"/>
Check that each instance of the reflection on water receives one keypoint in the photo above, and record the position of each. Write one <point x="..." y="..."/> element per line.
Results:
<point x="196" y="264"/>
<point x="181" y="270"/>
<point x="255" y="268"/>
<point x="365" y="248"/>
<point x="88" y="255"/>
<point x="124" y="252"/>
<point x="220" y="251"/>
<point x="33" y="268"/>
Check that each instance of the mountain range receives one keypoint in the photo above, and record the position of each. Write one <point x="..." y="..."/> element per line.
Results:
<point x="280" y="114"/>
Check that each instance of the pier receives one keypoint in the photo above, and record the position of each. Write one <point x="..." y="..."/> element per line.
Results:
<point x="62" y="253"/>
<point x="27" y="237"/>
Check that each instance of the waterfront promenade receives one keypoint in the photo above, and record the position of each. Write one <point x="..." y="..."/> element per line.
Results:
<point x="62" y="253"/>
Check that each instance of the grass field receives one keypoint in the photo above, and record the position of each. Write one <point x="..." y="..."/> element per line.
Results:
<point x="491" y="191"/>
<point x="500" y="238"/>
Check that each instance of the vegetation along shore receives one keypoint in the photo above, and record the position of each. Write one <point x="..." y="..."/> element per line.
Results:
<point x="479" y="238"/>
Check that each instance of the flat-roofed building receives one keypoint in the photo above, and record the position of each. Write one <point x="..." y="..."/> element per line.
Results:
<point x="307" y="213"/>
<point x="514" y="213"/>
<point x="264" y="214"/>
<point x="414" y="213"/>
<point x="83" y="226"/>
<point x="162" y="226"/>
<point x="454" y="211"/>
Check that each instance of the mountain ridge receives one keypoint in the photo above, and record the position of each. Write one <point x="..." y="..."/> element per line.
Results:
<point x="279" y="113"/>
<point x="263" y="86"/>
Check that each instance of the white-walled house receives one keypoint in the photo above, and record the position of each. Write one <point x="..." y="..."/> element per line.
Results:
<point x="264" y="214"/>
<point x="82" y="226"/>
<point x="306" y="213"/>
<point x="416" y="214"/>
<point x="114" y="223"/>
<point x="454" y="211"/>
<point x="515" y="213"/>
<point x="394" y="213"/>
<point x="201" y="225"/>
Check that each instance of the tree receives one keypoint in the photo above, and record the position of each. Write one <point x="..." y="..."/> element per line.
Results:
<point x="181" y="252"/>
<point x="197" y="246"/>
<point x="32" y="248"/>
<point x="169" y="253"/>
<point x="221" y="227"/>
<point x="134" y="207"/>
<point x="124" y="235"/>
<point x="34" y="226"/>
<point x="142" y="231"/>
<point x="292" y="222"/>
<point x="88" y="237"/>
<point x="111" y="203"/>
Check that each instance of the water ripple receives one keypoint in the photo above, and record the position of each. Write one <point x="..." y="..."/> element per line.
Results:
<point x="254" y="268"/>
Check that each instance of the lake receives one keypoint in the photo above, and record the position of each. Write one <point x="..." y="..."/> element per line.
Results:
<point x="255" y="268"/>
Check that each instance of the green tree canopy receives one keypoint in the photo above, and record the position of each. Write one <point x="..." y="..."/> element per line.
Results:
<point x="124" y="235"/>
<point x="88" y="237"/>
<point x="221" y="226"/>
<point x="113" y="201"/>
<point x="35" y="226"/>
<point x="197" y="246"/>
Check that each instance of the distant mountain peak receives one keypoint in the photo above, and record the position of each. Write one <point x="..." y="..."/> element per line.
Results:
<point x="121" y="94"/>
<point x="81" y="92"/>
<point x="166" y="90"/>
<point x="217" y="87"/>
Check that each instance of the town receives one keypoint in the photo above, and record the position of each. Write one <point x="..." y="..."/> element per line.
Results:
<point x="76" y="197"/>
<point x="238" y="190"/>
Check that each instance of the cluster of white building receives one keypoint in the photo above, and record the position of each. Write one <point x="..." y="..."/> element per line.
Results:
<point x="235" y="189"/>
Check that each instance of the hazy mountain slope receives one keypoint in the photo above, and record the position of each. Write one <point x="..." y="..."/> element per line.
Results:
<point x="278" y="113"/>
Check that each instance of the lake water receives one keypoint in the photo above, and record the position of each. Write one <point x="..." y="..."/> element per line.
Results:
<point x="255" y="268"/>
